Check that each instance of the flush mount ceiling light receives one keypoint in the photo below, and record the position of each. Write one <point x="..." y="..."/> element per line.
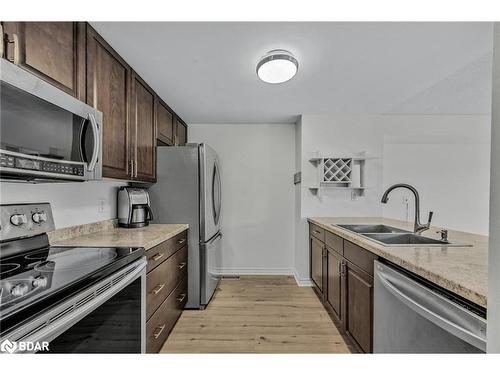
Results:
<point x="277" y="66"/>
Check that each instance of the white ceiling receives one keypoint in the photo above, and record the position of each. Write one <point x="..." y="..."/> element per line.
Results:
<point x="206" y="71"/>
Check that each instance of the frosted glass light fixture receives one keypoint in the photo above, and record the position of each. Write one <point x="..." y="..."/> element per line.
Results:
<point x="277" y="66"/>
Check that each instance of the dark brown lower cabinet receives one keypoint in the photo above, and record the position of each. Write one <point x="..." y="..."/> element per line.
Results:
<point x="359" y="307"/>
<point x="317" y="262"/>
<point x="166" y="289"/>
<point x="335" y="266"/>
<point x="342" y="278"/>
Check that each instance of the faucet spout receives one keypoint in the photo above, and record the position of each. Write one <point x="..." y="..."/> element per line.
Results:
<point x="417" y="226"/>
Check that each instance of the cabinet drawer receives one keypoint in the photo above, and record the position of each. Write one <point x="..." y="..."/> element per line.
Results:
<point x="317" y="232"/>
<point x="164" y="278"/>
<point x="163" y="320"/>
<point x="161" y="252"/>
<point x="334" y="242"/>
<point x="359" y="256"/>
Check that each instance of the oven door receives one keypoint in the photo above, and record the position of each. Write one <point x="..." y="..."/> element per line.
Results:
<point x="46" y="133"/>
<point x="109" y="317"/>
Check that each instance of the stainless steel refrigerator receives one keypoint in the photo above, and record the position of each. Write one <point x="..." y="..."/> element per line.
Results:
<point x="188" y="191"/>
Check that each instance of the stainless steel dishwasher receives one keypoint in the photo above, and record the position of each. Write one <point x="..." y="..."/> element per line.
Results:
<point x="412" y="315"/>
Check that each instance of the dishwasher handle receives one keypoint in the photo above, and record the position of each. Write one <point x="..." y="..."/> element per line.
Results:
<point x="434" y="307"/>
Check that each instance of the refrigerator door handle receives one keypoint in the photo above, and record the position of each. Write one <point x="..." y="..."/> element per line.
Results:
<point x="217" y="236"/>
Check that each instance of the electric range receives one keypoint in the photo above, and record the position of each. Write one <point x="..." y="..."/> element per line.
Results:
<point x="36" y="278"/>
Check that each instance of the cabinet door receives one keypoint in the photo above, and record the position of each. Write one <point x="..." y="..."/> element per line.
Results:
<point x="54" y="51"/>
<point x="181" y="133"/>
<point x="108" y="90"/>
<point x="359" y="307"/>
<point x="317" y="262"/>
<point x="334" y="282"/>
<point x="166" y="126"/>
<point x="143" y="143"/>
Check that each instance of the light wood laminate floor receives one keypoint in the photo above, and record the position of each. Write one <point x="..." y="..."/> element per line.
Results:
<point x="257" y="314"/>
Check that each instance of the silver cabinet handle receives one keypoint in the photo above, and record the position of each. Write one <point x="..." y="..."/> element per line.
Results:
<point x="16" y="59"/>
<point x="182" y="265"/>
<point x="158" y="331"/>
<point x="181" y="297"/>
<point x="2" y="46"/>
<point x="317" y="231"/>
<point x="158" y="256"/>
<point x="181" y="241"/>
<point x="158" y="288"/>
<point x="97" y="142"/>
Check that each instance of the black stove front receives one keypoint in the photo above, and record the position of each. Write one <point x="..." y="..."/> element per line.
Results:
<point x="33" y="280"/>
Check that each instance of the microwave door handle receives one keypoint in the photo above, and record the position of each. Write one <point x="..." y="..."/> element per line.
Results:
<point x="97" y="145"/>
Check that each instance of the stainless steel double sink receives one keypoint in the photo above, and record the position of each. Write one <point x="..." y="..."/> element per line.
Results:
<point x="391" y="236"/>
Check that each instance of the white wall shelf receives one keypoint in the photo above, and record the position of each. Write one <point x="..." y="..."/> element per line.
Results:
<point x="340" y="172"/>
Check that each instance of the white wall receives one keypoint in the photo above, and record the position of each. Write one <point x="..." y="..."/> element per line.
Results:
<point x="447" y="159"/>
<point x="493" y="345"/>
<point x="73" y="203"/>
<point x="257" y="166"/>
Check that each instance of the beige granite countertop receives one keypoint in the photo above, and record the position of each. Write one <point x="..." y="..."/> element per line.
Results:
<point x="462" y="270"/>
<point x="146" y="237"/>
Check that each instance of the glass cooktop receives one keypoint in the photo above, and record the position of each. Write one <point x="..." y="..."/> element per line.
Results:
<point x="30" y="279"/>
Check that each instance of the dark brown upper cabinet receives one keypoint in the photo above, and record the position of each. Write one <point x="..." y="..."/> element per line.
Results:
<point x="180" y="133"/>
<point x="143" y="140"/>
<point x="75" y="58"/>
<point x="108" y="90"/>
<point x="166" y="125"/>
<point x="53" y="51"/>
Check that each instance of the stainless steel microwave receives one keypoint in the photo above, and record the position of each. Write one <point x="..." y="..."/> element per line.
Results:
<point x="45" y="133"/>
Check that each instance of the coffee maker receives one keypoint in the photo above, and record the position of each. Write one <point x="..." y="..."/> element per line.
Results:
<point x="134" y="209"/>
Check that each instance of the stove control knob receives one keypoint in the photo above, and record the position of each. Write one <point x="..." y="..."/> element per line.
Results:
<point x="40" y="282"/>
<point x="18" y="219"/>
<point x="19" y="290"/>
<point x="39" y="217"/>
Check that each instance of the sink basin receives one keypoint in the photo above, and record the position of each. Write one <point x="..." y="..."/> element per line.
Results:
<point x="372" y="228"/>
<point x="402" y="239"/>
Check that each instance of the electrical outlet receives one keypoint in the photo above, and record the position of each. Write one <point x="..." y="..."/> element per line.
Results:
<point x="101" y="205"/>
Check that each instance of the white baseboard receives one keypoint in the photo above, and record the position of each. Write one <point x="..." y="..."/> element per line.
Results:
<point x="255" y="271"/>
<point x="301" y="281"/>
<point x="266" y="271"/>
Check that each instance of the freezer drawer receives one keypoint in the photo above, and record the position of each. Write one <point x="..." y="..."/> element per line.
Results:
<point x="211" y="262"/>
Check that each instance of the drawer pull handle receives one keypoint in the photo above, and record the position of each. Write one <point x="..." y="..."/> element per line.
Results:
<point x="158" y="288"/>
<point x="181" y="297"/>
<point x="182" y="265"/>
<point x="317" y="231"/>
<point x="158" y="256"/>
<point x="181" y="241"/>
<point x="158" y="331"/>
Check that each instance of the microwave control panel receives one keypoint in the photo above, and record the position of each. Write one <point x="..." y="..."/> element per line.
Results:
<point x="17" y="162"/>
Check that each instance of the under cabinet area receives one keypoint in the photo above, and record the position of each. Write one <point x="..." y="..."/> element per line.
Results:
<point x="342" y="275"/>
<point x="166" y="289"/>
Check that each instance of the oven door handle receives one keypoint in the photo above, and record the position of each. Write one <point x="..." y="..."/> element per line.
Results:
<point x="51" y="324"/>
<point x="97" y="142"/>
